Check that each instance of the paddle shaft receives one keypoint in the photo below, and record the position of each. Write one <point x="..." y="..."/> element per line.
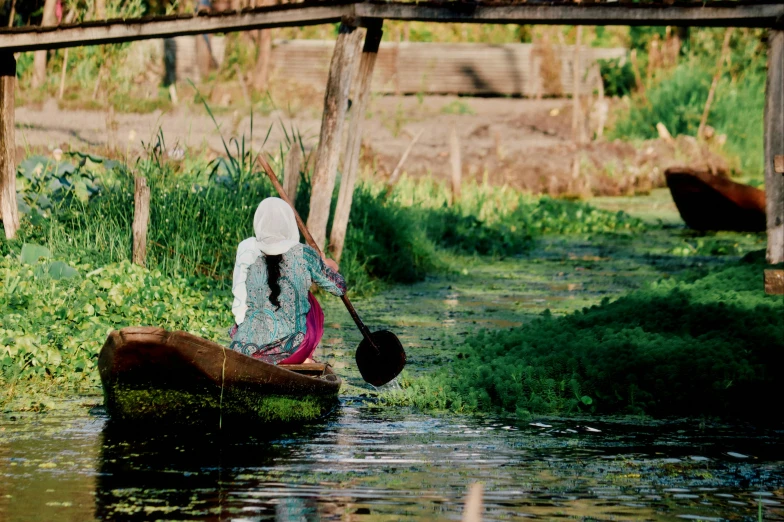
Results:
<point x="282" y="193"/>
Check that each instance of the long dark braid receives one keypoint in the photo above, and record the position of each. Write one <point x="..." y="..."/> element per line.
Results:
<point x="273" y="274"/>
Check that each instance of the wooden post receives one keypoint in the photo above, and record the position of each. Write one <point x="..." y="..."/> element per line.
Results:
<point x="39" y="58"/>
<point x="264" y="44"/>
<point x="8" y="208"/>
<point x="12" y="14"/>
<point x="261" y="72"/>
<point x="774" y="145"/>
<point x="141" y="218"/>
<point x="367" y="62"/>
<point x="725" y="49"/>
<point x="472" y="512"/>
<point x="578" y="126"/>
<point x="291" y="171"/>
<point x="457" y="164"/>
<point x="328" y="153"/>
<point x="62" y="75"/>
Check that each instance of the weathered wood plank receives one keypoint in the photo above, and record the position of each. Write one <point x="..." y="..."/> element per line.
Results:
<point x="114" y="31"/>
<point x="367" y="62"/>
<point x="8" y="208"/>
<point x="721" y="14"/>
<point x="774" y="145"/>
<point x="724" y="14"/>
<point x="328" y="152"/>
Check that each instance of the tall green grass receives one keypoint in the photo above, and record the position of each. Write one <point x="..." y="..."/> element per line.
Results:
<point x="200" y="212"/>
<point x="678" y="100"/>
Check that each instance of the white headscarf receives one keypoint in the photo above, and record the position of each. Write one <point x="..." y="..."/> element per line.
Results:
<point x="276" y="232"/>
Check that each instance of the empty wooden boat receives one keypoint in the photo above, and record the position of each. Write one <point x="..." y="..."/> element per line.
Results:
<point x="152" y="375"/>
<point x="709" y="202"/>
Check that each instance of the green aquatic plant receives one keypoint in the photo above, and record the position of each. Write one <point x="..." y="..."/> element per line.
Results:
<point x="179" y="407"/>
<point x="52" y="328"/>
<point x="703" y="344"/>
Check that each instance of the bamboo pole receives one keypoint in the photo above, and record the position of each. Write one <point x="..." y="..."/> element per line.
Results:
<point x="141" y="218"/>
<point x="328" y="153"/>
<point x="457" y="164"/>
<point x="8" y="208"/>
<point x="774" y="145"/>
<point x="725" y="48"/>
<point x="399" y="167"/>
<point x="367" y="62"/>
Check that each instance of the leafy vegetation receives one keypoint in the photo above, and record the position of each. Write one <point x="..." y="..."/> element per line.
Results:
<point x="677" y="96"/>
<point x="707" y="344"/>
<point x="67" y="281"/>
<point x="52" y="327"/>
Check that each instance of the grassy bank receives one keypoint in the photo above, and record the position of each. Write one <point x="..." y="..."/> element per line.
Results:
<point x="703" y="344"/>
<point x="67" y="280"/>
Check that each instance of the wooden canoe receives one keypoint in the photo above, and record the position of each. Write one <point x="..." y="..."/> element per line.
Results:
<point x="709" y="202"/>
<point x="152" y="375"/>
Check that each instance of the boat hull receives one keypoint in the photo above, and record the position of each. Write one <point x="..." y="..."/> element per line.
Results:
<point x="708" y="202"/>
<point x="150" y="375"/>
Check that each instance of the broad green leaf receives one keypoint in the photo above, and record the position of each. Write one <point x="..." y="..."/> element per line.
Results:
<point x="586" y="400"/>
<point x="61" y="270"/>
<point x="31" y="253"/>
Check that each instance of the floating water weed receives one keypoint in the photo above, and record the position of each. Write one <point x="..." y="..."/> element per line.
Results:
<point x="704" y="344"/>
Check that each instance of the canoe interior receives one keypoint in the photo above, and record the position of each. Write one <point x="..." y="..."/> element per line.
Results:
<point x="709" y="202"/>
<point x="152" y="375"/>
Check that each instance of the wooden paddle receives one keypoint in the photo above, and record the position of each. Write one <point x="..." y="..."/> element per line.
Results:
<point x="380" y="356"/>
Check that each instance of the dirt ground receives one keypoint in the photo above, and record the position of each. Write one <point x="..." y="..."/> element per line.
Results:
<point x="522" y="143"/>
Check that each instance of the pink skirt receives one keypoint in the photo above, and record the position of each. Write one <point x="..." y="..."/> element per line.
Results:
<point x="313" y="333"/>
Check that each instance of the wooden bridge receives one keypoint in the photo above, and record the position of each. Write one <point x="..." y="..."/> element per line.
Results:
<point x="365" y="18"/>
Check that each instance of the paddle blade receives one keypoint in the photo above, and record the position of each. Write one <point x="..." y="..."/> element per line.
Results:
<point x="380" y="367"/>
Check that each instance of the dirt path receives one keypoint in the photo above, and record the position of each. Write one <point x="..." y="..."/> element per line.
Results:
<point x="519" y="142"/>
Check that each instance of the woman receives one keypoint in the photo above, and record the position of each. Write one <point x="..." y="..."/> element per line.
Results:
<point x="277" y="319"/>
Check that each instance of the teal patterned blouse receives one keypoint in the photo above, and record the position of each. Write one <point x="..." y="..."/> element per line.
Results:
<point x="278" y="333"/>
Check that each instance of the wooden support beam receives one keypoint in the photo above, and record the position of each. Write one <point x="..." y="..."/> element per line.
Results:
<point x="328" y="153"/>
<point x="774" y="145"/>
<point x="8" y="208"/>
<point x="367" y="62"/>
<point x="765" y="13"/>
<point x="116" y="31"/>
<point x="748" y="13"/>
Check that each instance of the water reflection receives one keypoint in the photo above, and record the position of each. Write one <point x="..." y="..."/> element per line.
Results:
<point x="188" y="475"/>
<point x="371" y="464"/>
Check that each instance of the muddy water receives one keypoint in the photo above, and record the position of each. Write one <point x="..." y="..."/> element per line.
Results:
<point x="367" y="463"/>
